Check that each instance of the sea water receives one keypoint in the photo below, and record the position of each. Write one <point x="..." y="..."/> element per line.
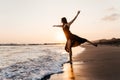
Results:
<point x="31" y="62"/>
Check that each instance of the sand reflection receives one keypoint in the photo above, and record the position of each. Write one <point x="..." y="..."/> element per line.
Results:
<point x="68" y="72"/>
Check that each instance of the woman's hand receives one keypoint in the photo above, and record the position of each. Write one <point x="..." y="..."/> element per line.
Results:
<point x="78" y="12"/>
<point x="54" y="25"/>
<point x="57" y="25"/>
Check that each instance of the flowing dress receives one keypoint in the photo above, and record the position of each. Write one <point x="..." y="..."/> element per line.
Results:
<point x="75" y="40"/>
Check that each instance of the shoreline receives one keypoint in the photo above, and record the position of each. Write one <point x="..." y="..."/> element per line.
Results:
<point x="92" y="64"/>
<point x="66" y="64"/>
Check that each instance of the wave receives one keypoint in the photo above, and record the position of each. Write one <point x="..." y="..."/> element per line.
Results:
<point x="48" y="60"/>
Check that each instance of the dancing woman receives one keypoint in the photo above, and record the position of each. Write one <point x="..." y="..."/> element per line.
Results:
<point x="72" y="39"/>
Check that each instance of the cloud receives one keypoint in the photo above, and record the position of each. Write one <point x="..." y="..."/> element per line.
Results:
<point x="112" y="14"/>
<point x="111" y="9"/>
<point x="111" y="17"/>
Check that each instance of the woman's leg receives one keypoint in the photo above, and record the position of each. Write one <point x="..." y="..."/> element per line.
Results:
<point x="66" y="46"/>
<point x="92" y="43"/>
<point x="69" y="46"/>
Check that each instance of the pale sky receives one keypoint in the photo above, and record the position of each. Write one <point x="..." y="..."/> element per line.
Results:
<point x="30" y="21"/>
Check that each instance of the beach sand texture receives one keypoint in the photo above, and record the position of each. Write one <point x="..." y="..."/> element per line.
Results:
<point x="95" y="63"/>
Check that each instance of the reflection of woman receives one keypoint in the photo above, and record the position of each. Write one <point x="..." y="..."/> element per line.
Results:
<point x="69" y="72"/>
<point x="72" y="39"/>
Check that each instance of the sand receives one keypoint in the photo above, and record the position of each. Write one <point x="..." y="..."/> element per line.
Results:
<point x="95" y="63"/>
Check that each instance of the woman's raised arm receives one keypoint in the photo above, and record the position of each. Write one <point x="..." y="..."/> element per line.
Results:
<point x="74" y="18"/>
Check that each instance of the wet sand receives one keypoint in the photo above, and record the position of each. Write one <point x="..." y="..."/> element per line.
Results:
<point x="95" y="63"/>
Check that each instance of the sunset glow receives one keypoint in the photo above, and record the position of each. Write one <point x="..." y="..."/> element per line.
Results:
<point x="60" y="37"/>
<point x="31" y="21"/>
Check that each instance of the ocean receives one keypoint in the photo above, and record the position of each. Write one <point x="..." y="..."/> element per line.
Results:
<point x="31" y="62"/>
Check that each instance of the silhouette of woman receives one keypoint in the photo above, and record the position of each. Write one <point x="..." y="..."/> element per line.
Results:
<point x="72" y="39"/>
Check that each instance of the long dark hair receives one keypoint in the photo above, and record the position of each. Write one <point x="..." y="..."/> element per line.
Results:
<point x="64" y="20"/>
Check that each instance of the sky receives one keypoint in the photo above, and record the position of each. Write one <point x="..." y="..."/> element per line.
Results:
<point x="31" y="21"/>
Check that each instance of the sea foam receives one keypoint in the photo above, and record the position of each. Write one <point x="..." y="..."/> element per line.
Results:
<point x="33" y="62"/>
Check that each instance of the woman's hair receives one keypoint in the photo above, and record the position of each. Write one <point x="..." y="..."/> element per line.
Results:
<point x="64" y="20"/>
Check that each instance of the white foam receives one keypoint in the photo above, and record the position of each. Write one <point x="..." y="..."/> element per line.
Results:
<point x="33" y="63"/>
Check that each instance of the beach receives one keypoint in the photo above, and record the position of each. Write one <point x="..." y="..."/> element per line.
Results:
<point x="94" y="63"/>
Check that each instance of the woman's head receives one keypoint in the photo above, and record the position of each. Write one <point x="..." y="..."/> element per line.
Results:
<point x="64" y="20"/>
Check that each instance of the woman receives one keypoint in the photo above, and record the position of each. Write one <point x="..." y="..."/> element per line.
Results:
<point x="72" y="39"/>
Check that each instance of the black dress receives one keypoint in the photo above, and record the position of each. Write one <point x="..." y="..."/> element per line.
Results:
<point x="75" y="40"/>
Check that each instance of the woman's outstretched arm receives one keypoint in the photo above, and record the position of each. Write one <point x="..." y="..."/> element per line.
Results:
<point x="74" y="18"/>
<point x="57" y="25"/>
